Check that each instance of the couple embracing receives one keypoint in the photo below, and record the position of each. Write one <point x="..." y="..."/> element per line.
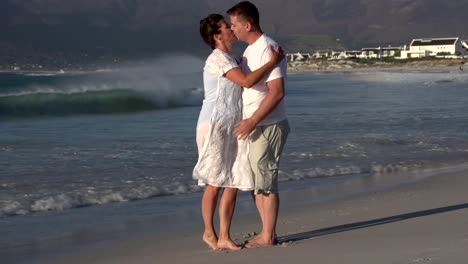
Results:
<point x="242" y="126"/>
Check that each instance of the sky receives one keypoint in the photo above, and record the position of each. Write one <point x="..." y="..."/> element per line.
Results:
<point x="154" y="26"/>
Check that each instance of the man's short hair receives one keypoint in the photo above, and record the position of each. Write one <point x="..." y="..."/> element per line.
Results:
<point x="247" y="11"/>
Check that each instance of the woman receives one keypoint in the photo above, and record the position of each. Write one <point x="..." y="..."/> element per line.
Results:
<point x="222" y="160"/>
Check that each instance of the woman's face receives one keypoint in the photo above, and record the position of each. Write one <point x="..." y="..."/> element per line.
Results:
<point x="226" y="32"/>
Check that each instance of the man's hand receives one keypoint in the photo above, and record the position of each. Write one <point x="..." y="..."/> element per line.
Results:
<point x="244" y="128"/>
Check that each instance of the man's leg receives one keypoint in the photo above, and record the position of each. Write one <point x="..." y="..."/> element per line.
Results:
<point x="270" y="207"/>
<point x="258" y="198"/>
<point x="267" y="146"/>
<point x="258" y="149"/>
<point x="209" y="201"/>
<point x="226" y="211"/>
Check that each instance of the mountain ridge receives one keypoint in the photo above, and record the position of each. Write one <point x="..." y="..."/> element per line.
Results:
<point x="152" y="26"/>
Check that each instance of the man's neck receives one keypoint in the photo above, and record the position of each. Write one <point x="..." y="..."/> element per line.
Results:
<point x="254" y="36"/>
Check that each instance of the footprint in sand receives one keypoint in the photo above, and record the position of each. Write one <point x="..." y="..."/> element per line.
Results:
<point x="250" y="235"/>
<point x="287" y="244"/>
<point x="421" y="260"/>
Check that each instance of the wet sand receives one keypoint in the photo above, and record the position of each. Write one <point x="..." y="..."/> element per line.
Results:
<point x="425" y="221"/>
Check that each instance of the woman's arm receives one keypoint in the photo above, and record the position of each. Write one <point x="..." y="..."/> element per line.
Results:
<point x="247" y="80"/>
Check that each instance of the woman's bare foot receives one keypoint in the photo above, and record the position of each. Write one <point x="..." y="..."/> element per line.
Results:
<point x="211" y="240"/>
<point x="227" y="244"/>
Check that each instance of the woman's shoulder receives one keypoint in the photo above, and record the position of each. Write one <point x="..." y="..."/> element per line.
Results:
<point x="220" y="62"/>
<point x="220" y="56"/>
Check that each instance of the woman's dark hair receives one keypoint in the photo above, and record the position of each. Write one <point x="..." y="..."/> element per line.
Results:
<point x="209" y="27"/>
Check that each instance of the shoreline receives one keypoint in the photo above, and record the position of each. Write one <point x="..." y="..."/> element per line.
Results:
<point x="352" y="66"/>
<point x="419" y="222"/>
<point x="315" y="65"/>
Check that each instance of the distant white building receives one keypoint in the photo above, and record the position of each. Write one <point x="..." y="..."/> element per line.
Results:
<point x="320" y="54"/>
<point x="298" y="56"/>
<point x="432" y="47"/>
<point x="370" y="53"/>
<point x="391" y="51"/>
<point x="380" y="52"/>
<point x="346" y="54"/>
<point x="464" y="45"/>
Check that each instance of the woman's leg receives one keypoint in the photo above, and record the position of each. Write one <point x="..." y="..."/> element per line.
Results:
<point x="226" y="212"/>
<point x="209" y="201"/>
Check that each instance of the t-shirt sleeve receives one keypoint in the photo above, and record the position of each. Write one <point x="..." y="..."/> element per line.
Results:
<point x="221" y="63"/>
<point x="279" y="71"/>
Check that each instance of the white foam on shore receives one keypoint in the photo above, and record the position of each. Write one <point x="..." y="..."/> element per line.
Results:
<point x="91" y="197"/>
<point x="300" y="174"/>
<point x="372" y="169"/>
<point x="34" y="74"/>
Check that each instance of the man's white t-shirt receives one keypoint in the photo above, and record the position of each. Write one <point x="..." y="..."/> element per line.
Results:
<point x="255" y="56"/>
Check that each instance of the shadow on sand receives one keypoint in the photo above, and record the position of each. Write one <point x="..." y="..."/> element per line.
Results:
<point x="364" y="224"/>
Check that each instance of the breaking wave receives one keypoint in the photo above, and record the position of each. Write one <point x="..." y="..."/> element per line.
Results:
<point x="87" y="102"/>
<point x="170" y="81"/>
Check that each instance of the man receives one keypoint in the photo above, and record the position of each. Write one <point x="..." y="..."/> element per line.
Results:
<point x="265" y="122"/>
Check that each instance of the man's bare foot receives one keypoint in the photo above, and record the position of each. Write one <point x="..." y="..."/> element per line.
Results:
<point x="211" y="240"/>
<point x="260" y="242"/>
<point x="227" y="244"/>
<point x="259" y="237"/>
<point x="253" y="240"/>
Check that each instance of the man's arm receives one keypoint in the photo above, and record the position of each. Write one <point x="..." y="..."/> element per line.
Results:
<point x="274" y="96"/>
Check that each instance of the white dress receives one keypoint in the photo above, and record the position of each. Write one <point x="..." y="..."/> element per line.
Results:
<point x="222" y="158"/>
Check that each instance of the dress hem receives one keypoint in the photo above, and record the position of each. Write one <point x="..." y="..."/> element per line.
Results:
<point x="244" y="189"/>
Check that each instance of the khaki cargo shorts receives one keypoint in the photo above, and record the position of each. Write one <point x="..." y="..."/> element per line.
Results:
<point x="266" y="145"/>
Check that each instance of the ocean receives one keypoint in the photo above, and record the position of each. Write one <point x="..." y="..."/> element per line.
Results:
<point x="87" y="157"/>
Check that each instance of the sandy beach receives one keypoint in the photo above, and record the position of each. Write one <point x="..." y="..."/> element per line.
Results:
<point x="421" y="222"/>
<point x="374" y="191"/>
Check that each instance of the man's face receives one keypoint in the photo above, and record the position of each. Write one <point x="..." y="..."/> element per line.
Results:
<point x="239" y="28"/>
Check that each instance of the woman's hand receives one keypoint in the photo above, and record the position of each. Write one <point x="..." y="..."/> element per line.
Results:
<point x="277" y="54"/>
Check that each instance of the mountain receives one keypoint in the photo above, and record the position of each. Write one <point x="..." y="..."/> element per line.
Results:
<point x="140" y="27"/>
